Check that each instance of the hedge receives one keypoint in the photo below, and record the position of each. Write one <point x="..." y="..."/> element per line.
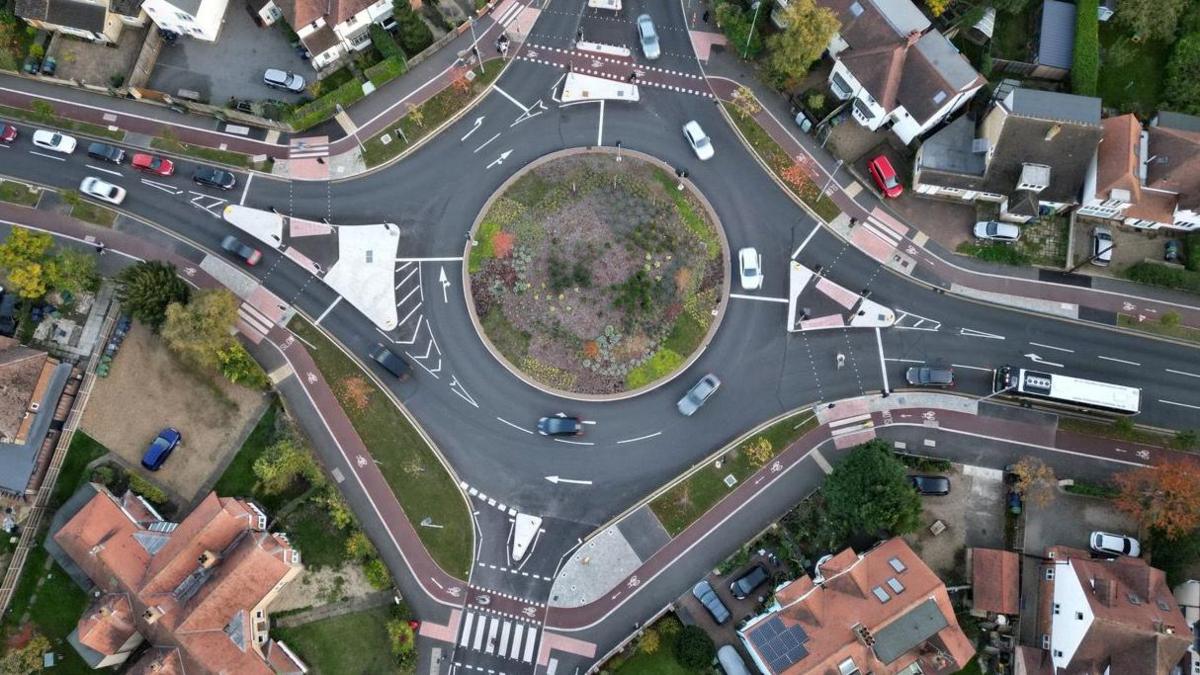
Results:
<point x="1157" y="274"/>
<point x="1085" y="66"/>
<point x="315" y="112"/>
<point x="385" y="43"/>
<point x="1191" y="251"/>
<point x="386" y="70"/>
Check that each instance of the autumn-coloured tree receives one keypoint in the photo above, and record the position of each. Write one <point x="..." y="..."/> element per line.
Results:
<point x="1035" y="481"/>
<point x="745" y="102"/>
<point x="760" y="450"/>
<point x="1164" y="497"/>
<point x="798" y="174"/>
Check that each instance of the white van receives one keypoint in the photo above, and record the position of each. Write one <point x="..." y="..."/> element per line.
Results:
<point x="731" y="661"/>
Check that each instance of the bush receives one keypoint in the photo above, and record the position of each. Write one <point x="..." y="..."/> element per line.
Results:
<point x="649" y="642"/>
<point x="386" y="70"/>
<point x="759" y="451"/>
<point x="1090" y="490"/>
<point x="1191" y="251"/>
<point x="663" y="362"/>
<point x="147" y="489"/>
<point x="385" y="43"/>
<point x="1157" y="274"/>
<point x="377" y="574"/>
<point x="1085" y="66"/>
<point x="694" y="649"/>
<point x="413" y="34"/>
<point x="240" y="368"/>
<point x="315" y="112"/>
<point x="1182" y="84"/>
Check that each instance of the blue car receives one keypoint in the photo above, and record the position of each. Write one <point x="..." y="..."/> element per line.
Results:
<point x="161" y="448"/>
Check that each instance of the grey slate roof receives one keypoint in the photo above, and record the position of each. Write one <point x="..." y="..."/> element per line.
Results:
<point x="17" y="461"/>
<point x="1049" y="105"/>
<point x="1174" y="120"/>
<point x="1056" y="41"/>
<point x="910" y="630"/>
<point x="125" y="7"/>
<point x="81" y="15"/>
<point x="950" y="149"/>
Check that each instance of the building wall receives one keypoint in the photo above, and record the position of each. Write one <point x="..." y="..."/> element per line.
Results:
<point x="204" y="25"/>
<point x="1070" y="616"/>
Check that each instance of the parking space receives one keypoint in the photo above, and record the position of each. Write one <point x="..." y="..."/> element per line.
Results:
<point x="1129" y="245"/>
<point x="692" y="612"/>
<point x="972" y="515"/>
<point x="94" y="63"/>
<point x="1069" y="519"/>
<point x="204" y="67"/>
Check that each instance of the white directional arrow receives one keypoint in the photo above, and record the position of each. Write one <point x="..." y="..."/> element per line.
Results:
<point x="478" y="121"/>
<point x="445" y="283"/>
<point x="556" y="480"/>
<point x="1037" y="359"/>
<point x="500" y="160"/>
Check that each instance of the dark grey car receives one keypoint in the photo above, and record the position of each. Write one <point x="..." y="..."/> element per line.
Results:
<point x="707" y="596"/>
<point x="390" y="361"/>
<point x="930" y="486"/>
<point x="926" y="376"/>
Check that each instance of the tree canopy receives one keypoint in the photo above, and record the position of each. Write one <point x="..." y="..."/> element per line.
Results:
<point x="792" y="51"/>
<point x="870" y="491"/>
<point x="1151" y="19"/>
<point x="1164" y="497"/>
<point x="1182" y="86"/>
<point x="199" y="330"/>
<point x="147" y="288"/>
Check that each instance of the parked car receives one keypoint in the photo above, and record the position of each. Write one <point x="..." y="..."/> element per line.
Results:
<point x="927" y="376"/>
<point x="698" y="394"/>
<point x="212" y="177"/>
<point x="707" y="596"/>
<point x="560" y="425"/>
<point x="31" y="65"/>
<point x="994" y="230"/>
<point x="885" y="177"/>
<point x="743" y="586"/>
<point x="1102" y="246"/>
<point x="391" y="361"/>
<point x="701" y="144"/>
<point x="731" y="661"/>
<point x="931" y="486"/>
<point x="750" y="268"/>
<point x="106" y="153"/>
<point x="236" y="246"/>
<point x="102" y="190"/>
<point x="54" y="141"/>
<point x="8" y="133"/>
<point x="1172" y="251"/>
<point x="161" y="448"/>
<point x="152" y="164"/>
<point x="282" y="79"/>
<point x="49" y="66"/>
<point x="648" y="37"/>
<point x="1114" y="544"/>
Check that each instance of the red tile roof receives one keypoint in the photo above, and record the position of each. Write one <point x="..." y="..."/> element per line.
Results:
<point x="995" y="580"/>
<point x="108" y="624"/>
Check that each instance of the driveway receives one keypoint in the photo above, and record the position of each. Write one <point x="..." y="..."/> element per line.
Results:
<point x="205" y="67"/>
<point x="1129" y="246"/>
<point x="692" y="612"/>
<point x="1069" y="519"/>
<point x="973" y="513"/>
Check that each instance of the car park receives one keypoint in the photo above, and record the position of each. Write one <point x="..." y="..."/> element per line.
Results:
<point x="248" y="254"/>
<point x="161" y="448"/>
<point x="1102" y="246"/>
<point x="750" y="269"/>
<point x="390" y="361"/>
<point x="743" y="586"/>
<point x="212" y="177"/>
<point x="282" y="79"/>
<point x="102" y="190"/>
<point x="700" y="142"/>
<point x="1106" y="543"/>
<point x="698" y="394"/>
<point x="648" y="37"/>
<point x="707" y="595"/>
<point x="559" y="425"/>
<point x="927" y="376"/>
<point x="930" y="486"/>
<point x="152" y="164"/>
<point x="8" y="133"/>
<point x="994" y="230"/>
<point x="106" y="153"/>
<point x="54" y="141"/>
<point x="885" y="177"/>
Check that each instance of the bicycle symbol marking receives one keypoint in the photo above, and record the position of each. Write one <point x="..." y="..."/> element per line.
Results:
<point x="454" y="591"/>
<point x="311" y="377"/>
<point x="776" y="467"/>
<point x="360" y="460"/>
<point x="929" y="415"/>
<point x="529" y="611"/>
<point x="1143" y="454"/>
<point x="634" y="582"/>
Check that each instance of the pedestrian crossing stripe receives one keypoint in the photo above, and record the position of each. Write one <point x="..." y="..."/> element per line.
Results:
<point x="500" y="637"/>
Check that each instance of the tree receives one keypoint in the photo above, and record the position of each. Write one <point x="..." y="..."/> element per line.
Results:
<point x="147" y="288"/>
<point x="76" y="272"/>
<point x="745" y="102"/>
<point x="1182" y="87"/>
<point x="1186" y="439"/>
<point x="332" y="500"/>
<point x="1151" y="19"/>
<point x="240" y="368"/>
<point x="735" y="20"/>
<point x="793" y="50"/>
<point x="27" y="659"/>
<point x="870" y="491"/>
<point x="1085" y="64"/>
<point x="414" y="36"/>
<point x="282" y="463"/>
<point x="694" y="649"/>
<point x="377" y="574"/>
<point x="416" y="115"/>
<point x="201" y="329"/>
<point x="649" y="642"/>
<point x="1164" y="497"/>
<point x="358" y="547"/>
<point x="26" y="260"/>
<point x="759" y="450"/>
<point x="1035" y="481"/>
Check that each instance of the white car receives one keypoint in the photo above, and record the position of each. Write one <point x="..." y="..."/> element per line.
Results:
<point x="102" y="190"/>
<point x="648" y="37"/>
<point x="1114" y="544"/>
<point x="54" y="141"/>
<point x="701" y="145"/>
<point x="1102" y="246"/>
<point x="750" y="266"/>
<point x="997" y="231"/>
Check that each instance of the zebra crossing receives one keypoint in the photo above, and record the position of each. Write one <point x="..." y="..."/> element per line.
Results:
<point x="252" y="323"/>
<point x="499" y="637"/>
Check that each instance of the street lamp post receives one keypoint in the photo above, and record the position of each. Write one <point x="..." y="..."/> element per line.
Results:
<point x="831" y="175"/>
<point x="756" y="5"/>
<point x="475" y="44"/>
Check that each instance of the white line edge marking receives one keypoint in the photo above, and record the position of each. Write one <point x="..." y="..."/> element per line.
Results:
<point x="450" y="259"/>
<point x="118" y="174"/>
<point x="1181" y="372"/>
<point x="508" y="96"/>
<point x="804" y="243"/>
<point x="760" y="298"/>
<point x="1109" y="358"/>
<point x="600" y="130"/>
<point x="882" y="365"/>
<point x="514" y="426"/>
<point x="574" y="442"/>
<point x="1182" y="405"/>
<point x="42" y="154"/>
<point x="328" y="310"/>
<point x="961" y="365"/>
<point x="1059" y="349"/>
<point x="246" y="189"/>
<point x="905" y="360"/>
<point x="640" y="438"/>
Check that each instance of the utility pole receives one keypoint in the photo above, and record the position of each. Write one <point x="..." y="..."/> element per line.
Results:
<point x="475" y="43"/>
<point x="757" y="4"/>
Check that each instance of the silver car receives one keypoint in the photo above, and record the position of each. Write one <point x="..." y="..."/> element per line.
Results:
<point x="698" y="394"/>
<point x="648" y="36"/>
<point x="282" y="79"/>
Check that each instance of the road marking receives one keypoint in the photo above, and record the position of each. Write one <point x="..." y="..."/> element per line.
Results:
<point x="806" y="240"/>
<point x="600" y="130"/>
<point x="159" y="186"/>
<point x="905" y="360"/>
<point x="118" y="174"/>
<point x="1059" y="349"/>
<point x="514" y="426"/>
<point x="556" y="480"/>
<point x="760" y="298"/>
<point x="500" y="160"/>
<point x="246" y="189"/>
<point x="574" y="442"/>
<point x="485" y="143"/>
<point x="959" y="365"/>
<point x="1181" y="372"/>
<point x="405" y="279"/>
<point x="882" y="366"/>
<point x="328" y="309"/>
<point x="506" y="95"/>
<point x="478" y="121"/>
<point x="40" y="154"/>
<point x="449" y="259"/>
<point x="1182" y="405"/>
<point x="970" y="332"/>
<point x="1109" y="358"/>
<point x="1037" y="359"/>
<point x="640" y="438"/>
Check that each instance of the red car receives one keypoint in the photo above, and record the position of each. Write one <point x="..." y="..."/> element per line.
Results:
<point x="8" y="133"/>
<point x="885" y="177"/>
<point x="153" y="164"/>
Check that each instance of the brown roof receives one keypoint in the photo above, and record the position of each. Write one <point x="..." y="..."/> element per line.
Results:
<point x="995" y="577"/>
<point x="320" y="40"/>
<point x="1174" y="163"/>
<point x="21" y="369"/>
<point x="158" y="661"/>
<point x="300" y="13"/>
<point x="829" y="612"/>
<point x="108" y="625"/>
<point x="99" y="538"/>
<point x="1117" y="157"/>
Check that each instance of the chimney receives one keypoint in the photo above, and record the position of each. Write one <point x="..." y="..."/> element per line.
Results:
<point x="95" y="550"/>
<point x="208" y="559"/>
<point x="151" y="615"/>
<point x="913" y="37"/>
<point x="863" y="634"/>
<point x="1053" y="131"/>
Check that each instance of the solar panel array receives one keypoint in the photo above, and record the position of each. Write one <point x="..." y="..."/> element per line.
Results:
<point x="780" y="646"/>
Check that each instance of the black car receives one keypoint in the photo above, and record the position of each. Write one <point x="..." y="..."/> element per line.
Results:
<point x="560" y="425"/>
<point x="390" y="361"/>
<point x="106" y="153"/>
<point x="934" y="486"/>
<point x="743" y="586"/>
<point x="248" y="254"/>
<point x="925" y="376"/>
<point x="708" y="597"/>
<point x="218" y="178"/>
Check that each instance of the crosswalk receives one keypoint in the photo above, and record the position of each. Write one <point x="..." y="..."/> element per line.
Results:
<point x="499" y="637"/>
<point x="253" y="323"/>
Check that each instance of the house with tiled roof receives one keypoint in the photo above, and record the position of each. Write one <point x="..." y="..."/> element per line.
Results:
<point x="1030" y="154"/>
<point x="1099" y="616"/>
<point x="197" y="590"/>
<point x="896" y="69"/>
<point x="329" y="29"/>
<point x="882" y="611"/>
<point x="1148" y="178"/>
<point x="995" y="582"/>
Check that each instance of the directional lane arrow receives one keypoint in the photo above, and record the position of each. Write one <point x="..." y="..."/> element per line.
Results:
<point x="500" y="160"/>
<point x="1037" y="359"/>
<point x="445" y="283"/>
<point x="478" y="121"/>
<point x="556" y="480"/>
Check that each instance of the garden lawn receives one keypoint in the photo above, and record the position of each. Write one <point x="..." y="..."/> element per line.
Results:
<point x="82" y="451"/>
<point x="421" y="484"/>
<point x="238" y="479"/>
<point x="351" y="644"/>
<point x="1011" y="37"/>
<point x="661" y="662"/>
<point x="1131" y="74"/>
<point x="17" y="193"/>
<point x="312" y="532"/>
<point x="680" y="506"/>
<point x="53" y="608"/>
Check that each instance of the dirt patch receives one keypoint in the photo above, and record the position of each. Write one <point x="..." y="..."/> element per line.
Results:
<point x="148" y="389"/>
<point x="323" y="586"/>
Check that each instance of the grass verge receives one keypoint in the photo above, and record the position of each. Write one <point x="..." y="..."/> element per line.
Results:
<point x="93" y="213"/>
<point x="1124" y="431"/>
<point x="694" y="221"/>
<point x="51" y="602"/>
<point x="779" y="161"/>
<point x="419" y="481"/>
<point x="50" y="117"/>
<point x="680" y="506"/>
<point x="348" y="644"/>
<point x="429" y="115"/>
<point x="168" y="143"/>
<point x="17" y="193"/>
<point x="1178" y="331"/>
<point x="238" y="479"/>
<point x="1092" y="490"/>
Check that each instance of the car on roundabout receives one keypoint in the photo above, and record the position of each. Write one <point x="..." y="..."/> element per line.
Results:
<point x="750" y="269"/>
<point x="102" y="190"/>
<point x="560" y="425"/>
<point x="698" y="140"/>
<point x="698" y="395"/>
